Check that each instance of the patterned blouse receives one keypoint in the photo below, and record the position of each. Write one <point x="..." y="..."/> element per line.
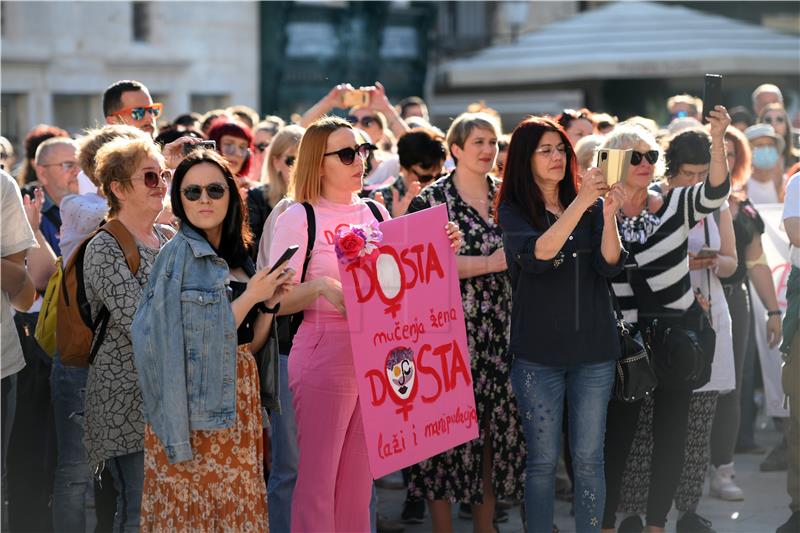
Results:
<point x="114" y="424"/>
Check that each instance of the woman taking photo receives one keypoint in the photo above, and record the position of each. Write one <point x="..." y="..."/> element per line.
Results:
<point x="333" y="486"/>
<point x="656" y="285"/>
<point x="562" y="246"/>
<point x="469" y="193"/>
<point x="202" y="314"/>
<point x="134" y="181"/>
<point x="235" y="142"/>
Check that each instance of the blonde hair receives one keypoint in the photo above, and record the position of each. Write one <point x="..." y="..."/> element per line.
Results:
<point x="285" y="139"/>
<point x="94" y="139"/>
<point x="117" y="161"/>
<point x="463" y="126"/>
<point x="585" y="150"/>
<point x="306" y="182"/>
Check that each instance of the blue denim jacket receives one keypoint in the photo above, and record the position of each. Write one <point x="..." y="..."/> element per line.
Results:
<point x="184" y="341"/>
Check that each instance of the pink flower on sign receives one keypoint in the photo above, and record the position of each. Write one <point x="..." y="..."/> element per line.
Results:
<point x="357" y="242"/>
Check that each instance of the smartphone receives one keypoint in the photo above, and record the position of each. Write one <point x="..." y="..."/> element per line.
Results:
<point x="706" y="253"/>
<point x="712" y="93"/>
<point x="290" y="251"/>
<point x="208" y="145"/>
<point x="614" y="163"/>
<point x="355" y="98"/>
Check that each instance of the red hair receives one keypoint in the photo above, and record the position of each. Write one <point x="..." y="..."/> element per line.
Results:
<point x="224" y="126"/>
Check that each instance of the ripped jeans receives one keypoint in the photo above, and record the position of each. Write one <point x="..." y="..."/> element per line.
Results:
<point x="73" y="487"/>
<point x="540" y="390"/>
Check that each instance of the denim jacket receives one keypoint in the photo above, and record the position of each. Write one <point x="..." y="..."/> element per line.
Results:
<point x="184" y="341"/>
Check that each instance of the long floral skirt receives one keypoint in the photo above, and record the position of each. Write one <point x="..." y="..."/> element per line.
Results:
<point x="222" y="488"/>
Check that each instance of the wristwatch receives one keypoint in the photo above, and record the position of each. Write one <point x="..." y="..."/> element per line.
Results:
<point x="776" y="312"/>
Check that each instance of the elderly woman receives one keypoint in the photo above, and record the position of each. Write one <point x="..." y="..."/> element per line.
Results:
<point x="134" y="181"/>
<point x="562" y="247"/>
<point x="469" y="193"/>
<point x="656" y="289"/>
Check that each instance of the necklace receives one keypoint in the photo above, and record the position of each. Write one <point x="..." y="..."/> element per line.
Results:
<point x="638" y="228"/>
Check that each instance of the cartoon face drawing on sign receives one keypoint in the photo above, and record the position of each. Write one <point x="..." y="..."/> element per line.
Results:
<point x="402" y="373"/>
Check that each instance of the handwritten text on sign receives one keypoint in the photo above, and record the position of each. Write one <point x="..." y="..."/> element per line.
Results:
<point x="409" y="344"/>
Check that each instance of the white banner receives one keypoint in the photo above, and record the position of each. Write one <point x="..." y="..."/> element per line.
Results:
<point x="776" y="248"/>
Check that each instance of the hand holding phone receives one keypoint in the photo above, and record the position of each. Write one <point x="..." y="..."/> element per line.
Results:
<point x="208" y="145"/>
<point x="614" y="164"/>
<point x="712" y="93"/>
<point x="706" y="253"/>
<point x="290" y="251"/>
<point x="355" y="98"/>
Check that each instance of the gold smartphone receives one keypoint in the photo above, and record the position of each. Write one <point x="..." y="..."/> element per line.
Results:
<point x="355" y="98"/>
<point x="614" y="164"/>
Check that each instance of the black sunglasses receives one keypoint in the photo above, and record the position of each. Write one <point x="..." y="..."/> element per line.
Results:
<point x="348" y="155"/>
<point x="261" y="146"/>
<point x="650" y="155"/>
<point x="153" y="179"/>
<point x="215" y="191"/>
<point x="427" y="178"/>
<point x="289" y="160"/>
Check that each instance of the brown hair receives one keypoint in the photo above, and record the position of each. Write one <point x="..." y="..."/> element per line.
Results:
<point x="94" y="139"/>
<point x="306" y="182"/>
<point x="741" y="167"/>
<point x="286" y="138"/>
<point x="117" y="160"/>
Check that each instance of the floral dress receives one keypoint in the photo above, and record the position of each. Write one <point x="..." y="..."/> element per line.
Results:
<point x="455" y="475"/>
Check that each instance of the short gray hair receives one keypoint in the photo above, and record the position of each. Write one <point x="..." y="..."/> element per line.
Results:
<point x="766" y="88"/>
<point x="627" y="136"/>
<point x="47" y="146"/>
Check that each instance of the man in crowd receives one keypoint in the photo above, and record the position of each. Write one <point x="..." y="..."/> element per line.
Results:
<point x="764" y="95"/>
<point x="684" y="105"/>
<point x="129" y="102"/>
<point x="413" y="106"/>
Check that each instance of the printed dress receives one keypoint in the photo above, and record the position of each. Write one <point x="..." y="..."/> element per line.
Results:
<point x="455" y="475"/>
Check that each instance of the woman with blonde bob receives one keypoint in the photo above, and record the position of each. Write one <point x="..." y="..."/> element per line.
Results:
<point x="333" y="486"/>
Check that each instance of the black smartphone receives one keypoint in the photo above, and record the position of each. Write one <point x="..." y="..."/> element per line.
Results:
<point x="712" y="93"/>
<point x="208" y="145"/>
<point x="290" y="251"/>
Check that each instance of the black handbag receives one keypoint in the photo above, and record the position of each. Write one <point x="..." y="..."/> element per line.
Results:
<point x="635" y="377"/>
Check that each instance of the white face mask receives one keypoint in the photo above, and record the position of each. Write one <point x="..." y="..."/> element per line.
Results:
<point x="765" y="157"/>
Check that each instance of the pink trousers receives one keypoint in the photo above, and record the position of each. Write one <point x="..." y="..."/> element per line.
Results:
<point x="334" y="484"/>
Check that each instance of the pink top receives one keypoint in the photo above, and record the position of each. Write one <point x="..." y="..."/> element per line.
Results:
<point x="292" y="228"/>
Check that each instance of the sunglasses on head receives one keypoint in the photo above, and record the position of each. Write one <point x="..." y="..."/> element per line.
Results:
<point x="153" y="179"/>
<point x="650" y="155"/>
<point x="137" y="113"/>
<point x="289" y="160"/>
<point x="364" y="121"/>
<point x="348" y="155"/>
<point x="215" y="191"/>
<point x="261" y="147"/>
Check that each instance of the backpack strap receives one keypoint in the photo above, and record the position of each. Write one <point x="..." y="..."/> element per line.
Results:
<point x="126" y="242"/>
<point x="374" y="208"/>
<point x="312" y="235"/>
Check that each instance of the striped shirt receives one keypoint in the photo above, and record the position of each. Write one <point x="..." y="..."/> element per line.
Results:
<point x="662" y="261"/>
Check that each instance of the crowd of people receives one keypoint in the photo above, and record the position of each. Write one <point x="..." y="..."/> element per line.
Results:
<point x="220" y="392"/>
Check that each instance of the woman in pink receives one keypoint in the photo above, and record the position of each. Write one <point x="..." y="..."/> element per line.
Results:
<point x="334" y="483"/>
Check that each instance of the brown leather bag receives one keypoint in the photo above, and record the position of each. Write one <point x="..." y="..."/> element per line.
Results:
<point x="78" y="335"/>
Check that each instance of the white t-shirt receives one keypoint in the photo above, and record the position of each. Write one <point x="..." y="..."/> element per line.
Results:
<point x="762" y="192"/>
<point x="791" y="209"/>
<point x="81" y="214"/>
<point x="17" y="236"/>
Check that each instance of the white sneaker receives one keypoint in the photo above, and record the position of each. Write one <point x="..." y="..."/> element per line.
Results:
<point x="722" y="484"/>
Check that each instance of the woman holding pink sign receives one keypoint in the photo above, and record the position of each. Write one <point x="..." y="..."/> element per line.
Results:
<point x="334" y="484"/>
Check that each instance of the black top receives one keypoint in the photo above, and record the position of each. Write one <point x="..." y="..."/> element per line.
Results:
<point x="245" y="334"/>
<point x="562" y="313"/>
<point x="258" y="210"/>
<point x="747" y="225"/>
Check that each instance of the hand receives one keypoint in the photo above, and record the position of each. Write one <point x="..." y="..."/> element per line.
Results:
<point x="400" y="205"/>
<point x="33" y="207"/>
<point x="379" y="198"/>
<point x="331" y="290"/>
<point x="774" y="330"/>
<point x="497" y="261"/>
<point x="283" y="289"/>
<point x="704" y="263"/>
<point x="593" y="187"/>
<point x="378" y="100"/>
<point x="455" y="235"/>
<point x="615" y="197"/>
<point x="262" y="285"/>
<point x="173" y="152"/>
<point x="719" y="120"/>
<point x="335" y="96"/>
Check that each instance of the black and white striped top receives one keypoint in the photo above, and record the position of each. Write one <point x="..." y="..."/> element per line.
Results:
<point x="662" y="260"/>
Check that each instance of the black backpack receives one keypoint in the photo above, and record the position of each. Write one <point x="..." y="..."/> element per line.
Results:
<point x="288" y="325"/>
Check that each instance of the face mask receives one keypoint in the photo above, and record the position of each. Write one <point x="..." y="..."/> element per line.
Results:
<point x="765" y="157"/>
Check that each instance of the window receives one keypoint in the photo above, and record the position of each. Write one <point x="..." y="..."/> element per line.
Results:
<point x="76" y="112"/>
<point x="203" y="103"/>
<point x="13" y="109"/>
<point x="140" y="18"/>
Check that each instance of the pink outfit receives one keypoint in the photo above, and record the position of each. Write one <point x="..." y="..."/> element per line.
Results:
<point x="334" y="483"/>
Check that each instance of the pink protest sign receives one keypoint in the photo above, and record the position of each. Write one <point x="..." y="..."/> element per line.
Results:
<point x="409" y="342"/>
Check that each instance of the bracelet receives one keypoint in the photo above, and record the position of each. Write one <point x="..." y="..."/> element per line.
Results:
<point x="776" y="312"/>
<point x="263" y="308"/>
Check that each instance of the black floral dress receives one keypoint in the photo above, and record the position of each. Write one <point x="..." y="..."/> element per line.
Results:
<point x="455" y="475"/>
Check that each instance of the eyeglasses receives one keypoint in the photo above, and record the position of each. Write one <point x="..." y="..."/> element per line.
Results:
<point x="650" y="155"/>
<point x="364" y="121"/>
<point x="261" y="147"/>
<point x="548" y="150"/>
<point x="66" y="166"/>
<point x="153" y="179"/>
<point x="780" y="119"/>
<point x="215" y="191"/>
<point x="137" y="113"/>
<point x="233" y="149"/>
<point x="289" y="160"/>
<point x="348" y="155"/>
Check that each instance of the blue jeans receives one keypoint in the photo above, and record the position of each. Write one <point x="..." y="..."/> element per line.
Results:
<point x="283" y="475"/>
<point x="73" y="487"/>
<point x="128" y="474"/>
<point x="540" y="392"/>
